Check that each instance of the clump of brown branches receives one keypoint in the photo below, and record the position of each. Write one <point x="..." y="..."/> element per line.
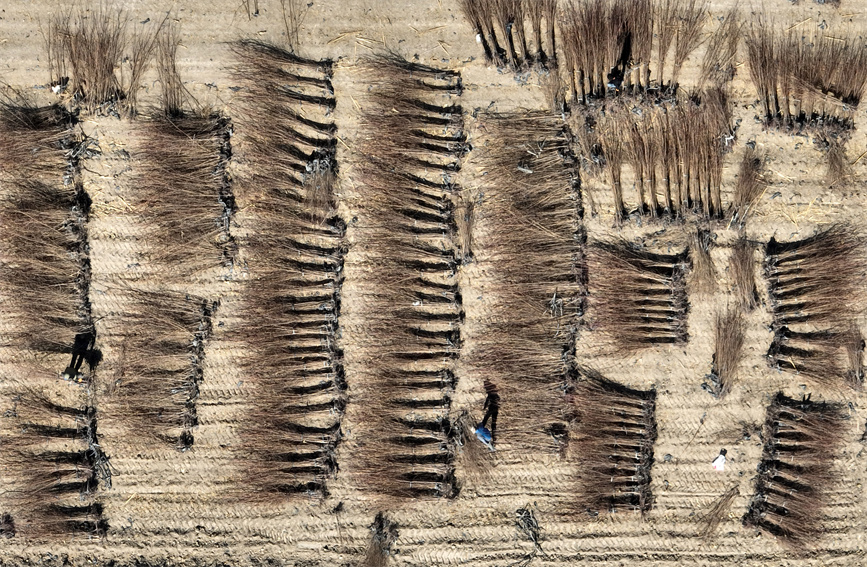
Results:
<point x="173" y="93"/>
<point x="162" y="354"/>
<point x="831" y="139"/>
<point x="289" y="99"/>
<point x="704" y="274"/>
<point x="612" y="439"/>
<point x="143" y="42"/>
<point x="816" y="294"/>
<point x="291" y="304"/>
<point x="817" y="279"/>
<point x="742" y="265"/>
<point x="530" y="242"/>
<point x="88" y="44"/>
<point x="184" y="197"/>
<point x="610" y="46"/>
<point x="57" y="465"/>
<point x="475" y="459"/>
<point x="45" y="254"/>
<point x="384" y="534"/>
<point x="750" y="185"/>
<point x="465" y="221"/>
<point x="801" y="441"/>
<point x="598" y="56"/>
<point x="729" y="344"/>
<point x="528" y="526"/>
<point x="675" y="152"/>
<point x="515" y="33"/>
<point x="37" y="142"/>
<point x="720" y="509"/>
<point x="87" y="49"/>
<point x="806" y="76"/>
<point x="809" y="80"/>
<point x="293" y="12"/>
<point x="819" y="355"/>
<point x="53" y="455"/>
<point x="718" y="65"/>
<point x="637" y="298"/>
<point x="410" y="301"/>
<point x="43" y="251"/>
<point x="853" y="341"/>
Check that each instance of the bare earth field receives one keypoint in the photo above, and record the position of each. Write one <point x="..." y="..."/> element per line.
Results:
<point x="171" y="507"/>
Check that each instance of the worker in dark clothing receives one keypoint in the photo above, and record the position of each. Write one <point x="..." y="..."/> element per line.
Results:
<point x="82" y="350"/>
<point x="492" y="409"/>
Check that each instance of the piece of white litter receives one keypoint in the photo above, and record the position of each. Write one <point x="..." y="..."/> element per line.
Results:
<point x="719" y="464"/>
<point x="478" y="38"/>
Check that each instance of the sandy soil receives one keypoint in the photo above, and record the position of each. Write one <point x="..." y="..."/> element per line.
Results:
<point x="177" y="508"/>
